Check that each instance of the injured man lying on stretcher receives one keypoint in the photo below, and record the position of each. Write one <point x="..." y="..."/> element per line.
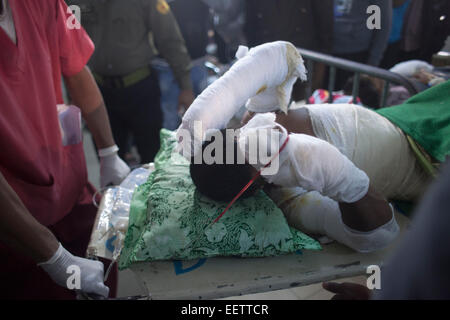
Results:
<point x="329" y="182"/>
<point x="335" y="164"/>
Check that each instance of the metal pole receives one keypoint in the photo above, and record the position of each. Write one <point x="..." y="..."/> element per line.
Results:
<point x="331" y="83"/>
<point x="355" y="90"/>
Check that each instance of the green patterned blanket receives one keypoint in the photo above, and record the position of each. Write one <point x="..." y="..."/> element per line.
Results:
<point x="168" y="219"/>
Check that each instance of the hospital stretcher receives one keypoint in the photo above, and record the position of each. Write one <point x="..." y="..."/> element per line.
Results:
<point x="221" y="277"/>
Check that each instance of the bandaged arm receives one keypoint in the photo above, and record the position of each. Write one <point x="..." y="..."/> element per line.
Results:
<point x="316" y="214"/>
<point x="340" y="203"/>
<point x="267" y="71"/>
<point x="331" y="196"/>
<point x="316" y="165"/>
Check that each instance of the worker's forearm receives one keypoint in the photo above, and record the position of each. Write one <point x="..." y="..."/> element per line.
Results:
<point x="98" y="124"/>
<point x="86" y="95"/>
<point x="19" y="230"/>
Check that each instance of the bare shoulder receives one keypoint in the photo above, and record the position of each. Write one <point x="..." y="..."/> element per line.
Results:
<point x="296" y="121"/>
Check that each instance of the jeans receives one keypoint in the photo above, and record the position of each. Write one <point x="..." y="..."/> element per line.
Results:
<point x="170" y="90"/>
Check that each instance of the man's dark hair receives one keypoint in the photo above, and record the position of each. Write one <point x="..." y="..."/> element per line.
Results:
<point x="222" y="182"/>
<point x="368" y="92"/>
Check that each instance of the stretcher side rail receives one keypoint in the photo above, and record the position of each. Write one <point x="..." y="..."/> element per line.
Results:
<point x="357" y="68"/>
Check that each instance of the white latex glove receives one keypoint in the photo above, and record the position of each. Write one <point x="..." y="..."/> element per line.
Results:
<point x="62" y="265"/>
<point x="312" y="164"/>
<point x="112" y="169"/>
<point x="266" y="71"/>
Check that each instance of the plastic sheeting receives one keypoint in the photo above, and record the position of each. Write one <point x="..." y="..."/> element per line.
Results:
<point x="112" y="219"/>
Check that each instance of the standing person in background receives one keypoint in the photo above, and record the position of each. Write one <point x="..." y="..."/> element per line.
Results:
<point x="307" y="24"/>
<point x="229" y="18"/>
<point x="194" y="20"/>
<point x="419" y="30"/>
<point x="126" y="35"/>
<point x="353" y="40"/>
<point x="425" y="29"/>
<point x="435" y="28"/>
<point x="399" y="18"/>
<point x="46" y="210"/>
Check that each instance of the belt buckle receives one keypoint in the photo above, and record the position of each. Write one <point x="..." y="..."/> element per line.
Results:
<point x="118" y="82"/>
<point x="114" y="82"/>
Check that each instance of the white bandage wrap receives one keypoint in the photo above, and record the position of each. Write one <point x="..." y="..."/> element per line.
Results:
<point x="307" y="162"/>
<point x="266" y="72"/>
<point x="410" y="67"/>
<point x="241" y="52"/>
<point x="260" y="140"/>
<point x="310" y="163"/>
<point x="313" y="213"/>
<point x="362" y="136"/>
<point x="316" y="165"/>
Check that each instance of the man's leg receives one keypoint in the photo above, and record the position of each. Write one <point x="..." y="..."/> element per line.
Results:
<point x="117" y="107"/>
<point x="199" y="77"/>
<point x="146" y="118"/>
<point x="169" y="97"/>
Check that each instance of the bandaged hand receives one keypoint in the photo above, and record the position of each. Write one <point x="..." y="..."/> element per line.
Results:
<point x="310" y="163"/>
<point x="266" y="71"/>
<point x="316" y="165"/>
<point x="112" y="168"/>
<point x="63" y="268"/>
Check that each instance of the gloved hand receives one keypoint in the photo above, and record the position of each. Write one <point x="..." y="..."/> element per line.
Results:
<point x="112" y="169"/>
<point x="91" y="272"/>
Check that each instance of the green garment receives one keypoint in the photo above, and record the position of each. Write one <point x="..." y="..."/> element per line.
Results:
<point x="426" y="118"/>
<point x="169" y="219"/>
<point x="128" y="33"/>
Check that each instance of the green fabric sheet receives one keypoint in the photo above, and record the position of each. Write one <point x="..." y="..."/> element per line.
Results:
<point x="168" y="219"/>
<point x="426" y="118"/>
